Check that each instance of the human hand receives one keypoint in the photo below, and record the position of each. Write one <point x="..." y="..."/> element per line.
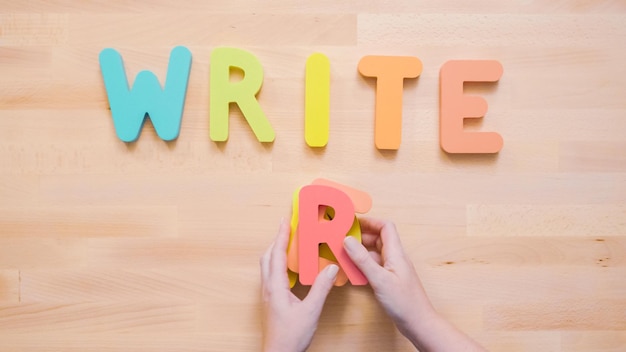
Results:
<point x="399" y="290"/>
<point x="390" y="273"/>
<point x="289" y="323"/>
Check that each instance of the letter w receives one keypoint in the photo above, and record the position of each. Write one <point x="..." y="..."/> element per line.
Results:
<point x="164" y="106"/>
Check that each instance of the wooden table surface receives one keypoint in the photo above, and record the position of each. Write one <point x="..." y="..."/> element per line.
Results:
<point x="154" y="246"/>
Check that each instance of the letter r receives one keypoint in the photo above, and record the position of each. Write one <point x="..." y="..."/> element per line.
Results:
<point x="314" y="230"/>
<point x="224" y="92"/>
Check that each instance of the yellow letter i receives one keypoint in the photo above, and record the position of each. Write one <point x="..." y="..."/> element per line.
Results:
<point x="317" y="100"/>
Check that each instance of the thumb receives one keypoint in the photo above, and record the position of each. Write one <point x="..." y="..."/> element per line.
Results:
<point x="362" y="259"/>
<point x="322" y="285"/>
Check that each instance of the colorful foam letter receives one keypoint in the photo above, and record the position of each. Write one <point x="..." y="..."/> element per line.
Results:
<point x="455" y="106"/>
<point x="292" y="247"/>
<point x="362" y="203"/>
<point x="361" y="200"/>
<point x="326" y="256"/>
<point x="243" y="93"/>
<point x="390" y="72"/>
<point x="129" y="108"/>
<point x="312" y="231"/>
<point x="317" y="100"/>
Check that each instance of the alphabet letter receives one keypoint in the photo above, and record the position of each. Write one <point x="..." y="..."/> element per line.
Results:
<point x="130" y="108"/>
<point x="390" y="72"/>
<point x="313" y="230"/>
<point x="223" y="92"/>
<point x="455" y="106"/>
<point x="317" y="100"/>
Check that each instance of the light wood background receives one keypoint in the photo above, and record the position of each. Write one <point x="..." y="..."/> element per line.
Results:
<point x="154" y="246"/>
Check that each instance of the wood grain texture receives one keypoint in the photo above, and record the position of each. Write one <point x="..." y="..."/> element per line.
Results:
<point x="154" y="246"/>
<point x="10" y="285"/>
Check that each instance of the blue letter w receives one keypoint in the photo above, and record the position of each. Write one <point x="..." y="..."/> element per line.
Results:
<point x="130" y="107"/>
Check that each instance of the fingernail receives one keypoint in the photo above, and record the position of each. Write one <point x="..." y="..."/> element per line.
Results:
<point x="350" y="242"/>
<point x="332" y="271"/>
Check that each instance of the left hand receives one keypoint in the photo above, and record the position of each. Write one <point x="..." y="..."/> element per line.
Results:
<point x="290" y="323"/>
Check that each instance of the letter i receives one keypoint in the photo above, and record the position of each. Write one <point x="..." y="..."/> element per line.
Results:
<point x="317" y="100"/>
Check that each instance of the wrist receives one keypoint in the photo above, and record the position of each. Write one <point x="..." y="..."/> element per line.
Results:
<point x="283" y="346"/>
<point x="420" y="325"/>
<point x="280" y="348"/>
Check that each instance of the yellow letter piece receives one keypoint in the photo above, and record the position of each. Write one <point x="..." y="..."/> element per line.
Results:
<point x="317" y="100"/>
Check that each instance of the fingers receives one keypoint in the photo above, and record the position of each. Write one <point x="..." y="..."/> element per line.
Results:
<point x="389" y="237"/>
<point x="282" y="238"/>
<point x="362" y="259"/>
<point x="371" y="225"/>
<point x="369" y="239"/>
<point x="278" y="257"/>
<point x="322" y="285"/>
<point x="265" y="265"/>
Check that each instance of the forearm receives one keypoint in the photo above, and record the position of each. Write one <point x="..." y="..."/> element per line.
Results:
<point x="282" y="347"/>
<point x="435" y="334"/>
<point x="292" y="338"/>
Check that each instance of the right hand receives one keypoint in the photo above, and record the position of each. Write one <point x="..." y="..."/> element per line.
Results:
<point x="391" y="274"/>
<point x="397" y="287"/>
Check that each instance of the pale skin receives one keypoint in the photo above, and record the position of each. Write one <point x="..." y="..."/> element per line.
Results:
<point x="391" y="275"/>
<point x="283" y="311"/>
